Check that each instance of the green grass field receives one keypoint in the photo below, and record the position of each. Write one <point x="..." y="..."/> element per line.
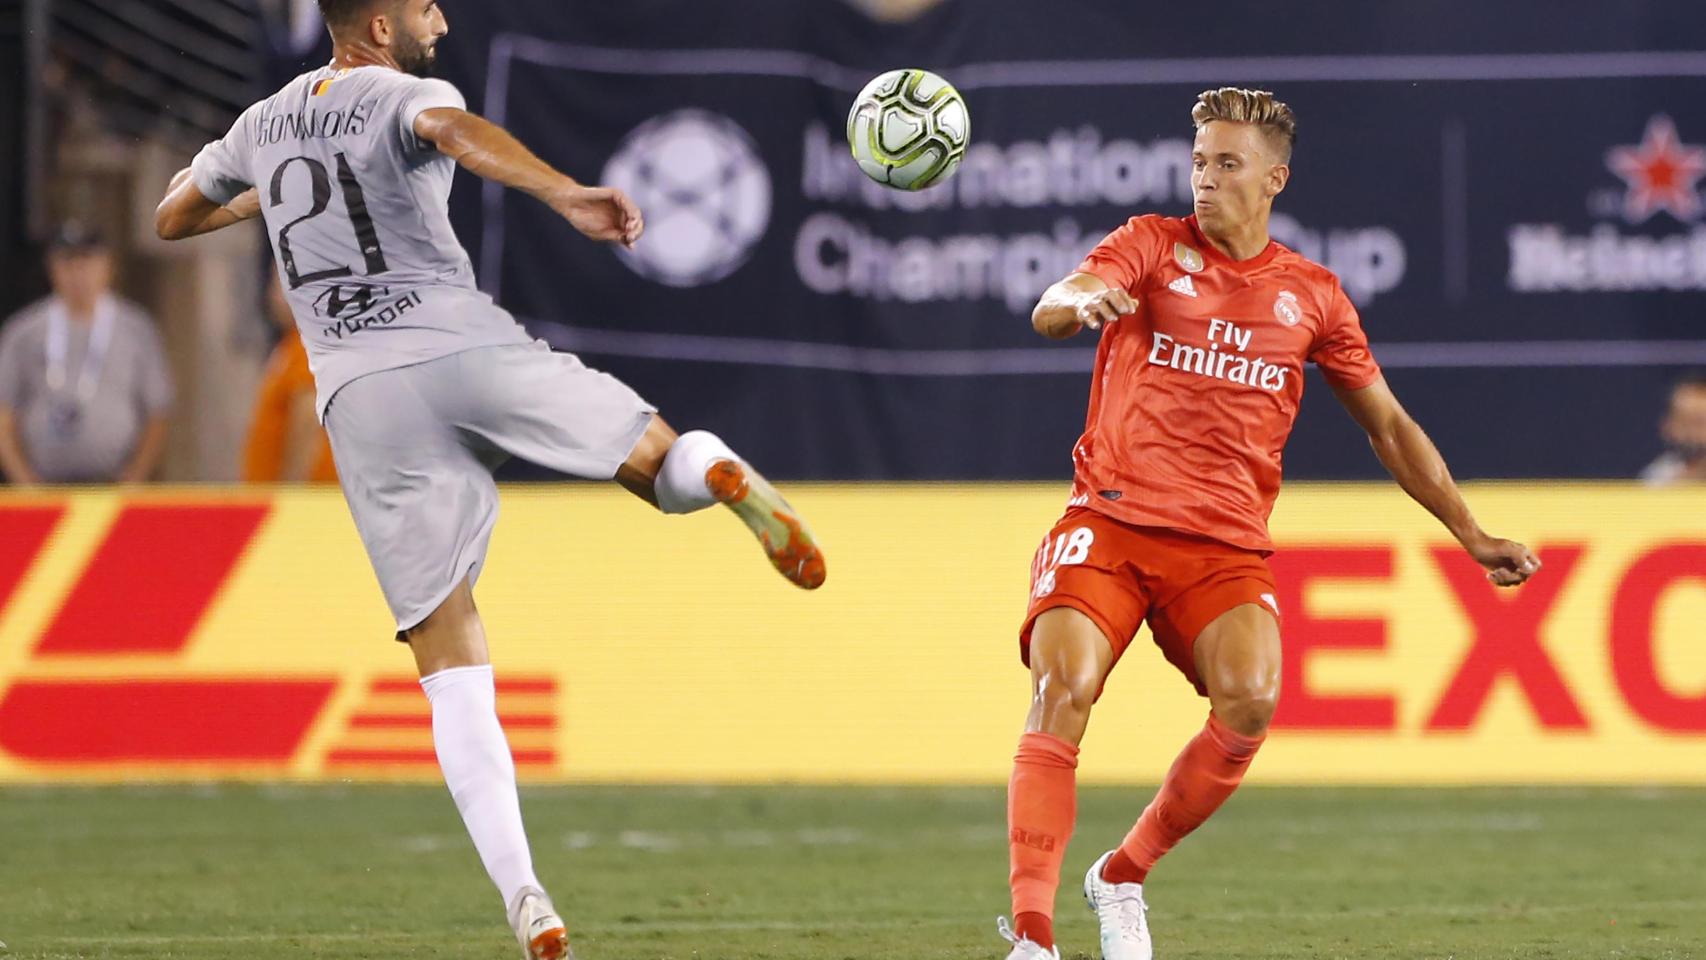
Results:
<point x="834" y="873"/>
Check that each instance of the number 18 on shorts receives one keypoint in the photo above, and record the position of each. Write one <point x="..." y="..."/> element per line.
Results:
<point x="1119" y="575"/>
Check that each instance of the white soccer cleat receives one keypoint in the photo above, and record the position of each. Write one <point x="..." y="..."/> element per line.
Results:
<point x="792" y="549"/>
<point x="1023" y="949"/>
<point x="542" y="934"/>
<point x="1120" y="909"/>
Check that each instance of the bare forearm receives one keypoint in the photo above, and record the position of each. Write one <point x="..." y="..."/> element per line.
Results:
<point x="1415" y="463"/>
<point x="148" y="452"/>
<point x="12" y="460"/>
<point x="1081" y="300"/>
<point x="1056" y="314"/>
<point x="185" y="213"/>
<point x="489" y="151"/>
<point x="220" y="219"/>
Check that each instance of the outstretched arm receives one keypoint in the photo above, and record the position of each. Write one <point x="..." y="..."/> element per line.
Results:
<point x="1081" y="300"/>
<point x="1415" y="463"/>
<point x="185" y="212"/>
<point x="489" y="151"/>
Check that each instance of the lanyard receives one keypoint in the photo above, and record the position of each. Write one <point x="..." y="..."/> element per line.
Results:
<point x="94" y="354"/>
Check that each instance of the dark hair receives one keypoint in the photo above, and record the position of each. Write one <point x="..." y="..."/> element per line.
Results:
<point x="342" y="13"/>
<point x="1692" y="378"/>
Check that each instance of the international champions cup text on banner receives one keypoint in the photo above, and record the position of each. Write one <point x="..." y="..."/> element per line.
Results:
<point x="1546" y="246"/>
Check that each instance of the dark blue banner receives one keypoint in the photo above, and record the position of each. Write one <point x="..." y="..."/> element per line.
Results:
<point x="1515" y="206"/>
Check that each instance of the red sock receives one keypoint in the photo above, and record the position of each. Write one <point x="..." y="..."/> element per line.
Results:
<point x="1042" y="803"/>
<point x="1205" y="774"/>
<point x="1120" y="869"/>
<point x="1035" y="927"/>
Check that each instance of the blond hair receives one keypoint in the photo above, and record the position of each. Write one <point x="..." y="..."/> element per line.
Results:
<point x="1258" y="107"/>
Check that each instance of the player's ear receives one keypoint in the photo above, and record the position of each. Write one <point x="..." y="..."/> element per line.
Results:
<point x="1278" y="176"/>
<point x="379" y="29"/>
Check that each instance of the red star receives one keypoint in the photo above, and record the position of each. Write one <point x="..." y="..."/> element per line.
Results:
<point x="1661" y="173"/>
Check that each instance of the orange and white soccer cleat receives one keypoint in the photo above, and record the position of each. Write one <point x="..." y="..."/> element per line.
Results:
<point x="1023" y="949"/>
<point x="542" y="934"/>
<point x="792" y="549"/>
<point x="1121" y="912"/>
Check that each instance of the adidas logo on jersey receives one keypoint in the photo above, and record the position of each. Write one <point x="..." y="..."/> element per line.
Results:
<point x="1183" y="285"/>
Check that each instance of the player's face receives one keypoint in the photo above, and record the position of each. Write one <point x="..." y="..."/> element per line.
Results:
<point x="420" y="25"/>
<point x="1234" y="175"/>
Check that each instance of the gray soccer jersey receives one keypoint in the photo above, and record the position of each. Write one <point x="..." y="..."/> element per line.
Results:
<point x="357" y="211"/>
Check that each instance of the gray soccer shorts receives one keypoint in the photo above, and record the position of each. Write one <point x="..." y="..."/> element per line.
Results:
<point x="416" y="446"/>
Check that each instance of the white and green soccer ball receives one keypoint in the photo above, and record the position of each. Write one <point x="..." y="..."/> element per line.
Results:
<point x="909" y="129"/>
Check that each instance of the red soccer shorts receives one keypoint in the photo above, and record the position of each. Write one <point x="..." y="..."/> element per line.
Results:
<point x="1119" y="575"/>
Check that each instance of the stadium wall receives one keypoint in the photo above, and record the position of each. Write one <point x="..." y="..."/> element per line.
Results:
<point x="204" y="633"/>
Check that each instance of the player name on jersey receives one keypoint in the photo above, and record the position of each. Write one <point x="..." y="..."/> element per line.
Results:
<point x="317" y="124"/>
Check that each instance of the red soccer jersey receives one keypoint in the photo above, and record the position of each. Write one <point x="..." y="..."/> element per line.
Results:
<point x="1195" y="393"/>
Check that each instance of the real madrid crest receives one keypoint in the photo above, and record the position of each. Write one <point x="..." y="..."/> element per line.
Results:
<point x="1286" y="309"/>
<point x="1188" y="258"/>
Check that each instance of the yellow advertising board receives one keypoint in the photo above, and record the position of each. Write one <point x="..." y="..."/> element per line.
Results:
<point x="211" y="633"/>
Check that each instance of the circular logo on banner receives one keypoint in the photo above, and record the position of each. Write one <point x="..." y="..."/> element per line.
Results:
<point x="704" y="191"/>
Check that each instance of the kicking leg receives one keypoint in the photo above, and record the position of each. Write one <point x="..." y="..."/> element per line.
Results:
<point x="456" y="673"/>
<point x="681" y="474"/>
<point x="1070" y="658"/>
<point x="638" y="475"/>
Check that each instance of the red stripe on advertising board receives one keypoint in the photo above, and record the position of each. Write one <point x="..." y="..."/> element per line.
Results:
<point x="419" y="757"/>
<point x="96" y="721"/>
<point x="527" y="686"/>
<point x="380" y="721"/>
<point x="380" y="757"/>
<point x="407" y="685"/>
<point x="23" y="531"/>
<point x="152" y="578"/>
<point x="395" y="685"/>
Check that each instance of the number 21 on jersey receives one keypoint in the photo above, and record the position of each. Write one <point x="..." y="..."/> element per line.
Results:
<point x="320" y="196"/>
<point x="1065" y="549"/>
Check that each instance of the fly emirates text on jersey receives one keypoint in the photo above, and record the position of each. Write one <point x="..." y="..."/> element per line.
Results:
<point x="1212" y="361"/>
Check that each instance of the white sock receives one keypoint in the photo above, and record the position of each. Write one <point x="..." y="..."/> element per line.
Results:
<point x="480" y="772"/>
<point x="680" y="484"/>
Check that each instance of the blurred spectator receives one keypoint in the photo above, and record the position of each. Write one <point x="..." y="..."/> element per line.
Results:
<point x="286" y="441"/>
<point x="1684" y="431"/>
<point x="84" y="388"/>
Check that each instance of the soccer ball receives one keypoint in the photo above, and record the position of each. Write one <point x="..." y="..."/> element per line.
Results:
<point x="908" y="129"/>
